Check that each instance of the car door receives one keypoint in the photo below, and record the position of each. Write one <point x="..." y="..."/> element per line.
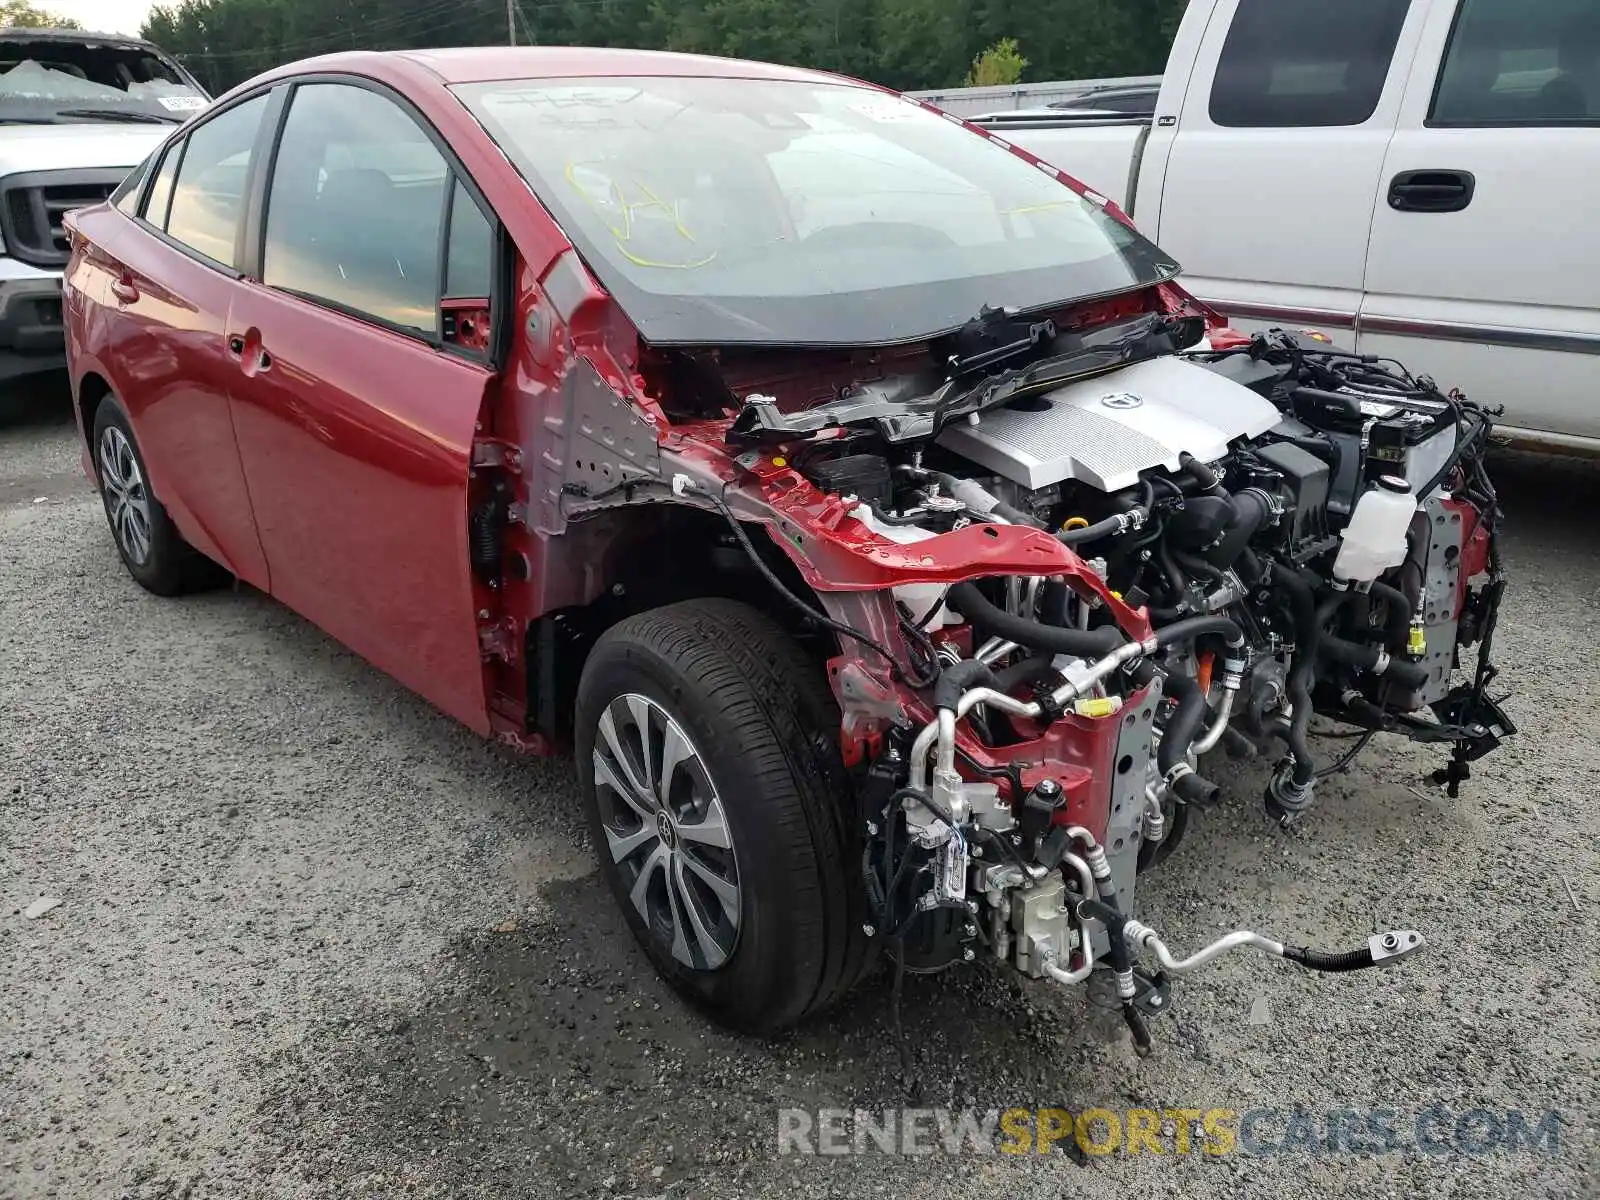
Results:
<point x="1267" y="193"/>
<point x="1484" y="267"/>
<point x="355" y="395"/>
<point x="170" y="283"/>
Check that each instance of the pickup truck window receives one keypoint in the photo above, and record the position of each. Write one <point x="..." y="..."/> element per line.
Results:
<point x="1290" y="63"/>
<point x="1521" y="62"/>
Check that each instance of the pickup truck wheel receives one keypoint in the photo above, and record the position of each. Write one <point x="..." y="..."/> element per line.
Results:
<point x="707" y="746"/>
<point x="150" y="545"/>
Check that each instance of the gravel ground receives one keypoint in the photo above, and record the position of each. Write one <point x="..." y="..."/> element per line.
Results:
<point x="317" y="941"/>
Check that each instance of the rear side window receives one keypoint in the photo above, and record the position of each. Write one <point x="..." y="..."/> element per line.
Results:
<point x="1291" y="63"/>
<point x="160" y="201"/>
<point x="208" y="194"/>
<point x="126" y="197"/>
<point x="1521" y="62"/>
<point x="356" y="209"/>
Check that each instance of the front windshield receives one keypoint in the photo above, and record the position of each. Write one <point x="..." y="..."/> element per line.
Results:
<point x="44" y="81"/>
<point x="746" y="210"/>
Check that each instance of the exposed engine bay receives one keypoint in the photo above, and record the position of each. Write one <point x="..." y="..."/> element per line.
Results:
<point x="1065" y="565"/>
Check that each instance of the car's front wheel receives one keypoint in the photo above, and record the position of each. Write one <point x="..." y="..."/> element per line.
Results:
<point x="708" y="752"/>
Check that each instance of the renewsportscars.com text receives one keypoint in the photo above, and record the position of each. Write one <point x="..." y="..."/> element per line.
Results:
<point x="1436" y="1130"/>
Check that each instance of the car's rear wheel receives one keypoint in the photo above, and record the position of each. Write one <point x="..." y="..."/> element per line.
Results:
<point x="150" y="545"/>
<point x="708" y="750"/>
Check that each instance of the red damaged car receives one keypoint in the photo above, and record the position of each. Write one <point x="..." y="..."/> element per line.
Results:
<point x="863" y="502"/>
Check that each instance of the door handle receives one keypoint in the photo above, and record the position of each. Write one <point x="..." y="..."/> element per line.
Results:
<point x="1431" y="191"/>
<point x="252" y="355"/>
<point x="125" y="290"/>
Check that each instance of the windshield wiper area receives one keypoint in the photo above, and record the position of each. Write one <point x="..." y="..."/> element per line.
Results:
<point x="119" y="114"/>
<point x="904" y="410"/>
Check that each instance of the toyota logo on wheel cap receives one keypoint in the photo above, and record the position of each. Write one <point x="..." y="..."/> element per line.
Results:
<point x="1121" y="400"/>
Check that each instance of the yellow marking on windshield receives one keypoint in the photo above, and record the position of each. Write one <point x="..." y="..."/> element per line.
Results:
<point x="1028" y="208"/>
<point x="623" y="236"/>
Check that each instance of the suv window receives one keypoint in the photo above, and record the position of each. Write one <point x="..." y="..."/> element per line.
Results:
<point x="357" y="207"/>
<point x="1288" y="63"/>
<point x="1521" y="62"/>
<point x="208" y="194"/>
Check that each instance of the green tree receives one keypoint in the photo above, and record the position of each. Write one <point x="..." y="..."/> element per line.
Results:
<point x="1001" y="63"/>
<point x="899" y="43"/>
<point x="21" y="14"/>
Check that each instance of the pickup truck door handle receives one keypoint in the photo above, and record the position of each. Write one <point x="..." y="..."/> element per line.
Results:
<point x="1431" y="191"/>
<point x="124" y="289"/>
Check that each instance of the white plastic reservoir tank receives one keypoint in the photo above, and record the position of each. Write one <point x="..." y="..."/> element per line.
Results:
<point x="1375" y="538"/>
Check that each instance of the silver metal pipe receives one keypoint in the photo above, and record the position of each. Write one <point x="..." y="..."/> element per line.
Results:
<point x="1081" y="869"/>
<point x="1067" y="692"/>
<point x="1103" y="668"/>
<point x="1005" y="703"/>
<point x="919" y="755"/>
<point x="1145" y="938"/>
<point x="1213" y="734"/>
<point x="993" y="650"/>
<point x="1079" y="974"/>
<point x="945" y="726"/>
<point x="1155" y="819"/>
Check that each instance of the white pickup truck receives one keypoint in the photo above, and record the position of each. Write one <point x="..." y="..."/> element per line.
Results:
<point x="78" y="111"/>
<point x="1419" y="177"/>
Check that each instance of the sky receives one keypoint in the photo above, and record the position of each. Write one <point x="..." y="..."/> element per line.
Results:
<point x="107" y="16"/>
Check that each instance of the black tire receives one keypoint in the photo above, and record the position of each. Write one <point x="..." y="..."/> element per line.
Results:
<point x="160" y="560"/>
<point x="762" y="721"/>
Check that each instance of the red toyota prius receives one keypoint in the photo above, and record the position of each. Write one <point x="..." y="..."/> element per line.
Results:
<point x="654" y="407"/>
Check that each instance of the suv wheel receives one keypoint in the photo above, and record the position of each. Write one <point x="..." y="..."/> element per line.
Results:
<point x="717" y="801"/>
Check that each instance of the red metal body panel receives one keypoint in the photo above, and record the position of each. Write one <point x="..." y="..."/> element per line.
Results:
<point x="357" y="445"/>
<point x="338" y="471"/>
<point x="165" y="356"/>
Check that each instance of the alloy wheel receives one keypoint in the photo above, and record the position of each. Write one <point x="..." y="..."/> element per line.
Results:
<point x="126" y="496"/>
<point x="666" y="830"/>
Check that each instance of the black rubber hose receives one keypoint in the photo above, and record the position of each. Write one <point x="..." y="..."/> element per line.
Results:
<point x="1026" y="673"/>
<point x="1016" y="516"/>
<point x="1176" y="579"/>
<point x="1398" y="620"/>
<point x="1250" y="512"/>
<point x="1301" y="599"/>
<point x="1198" y="567"/>
<point x="1053" y="599"/>
<point x="1185" y="723"/>
<point x="993" y="621"/>
<point x="959" y="678"/>
<point x="1093" y="533"/>
<point x="1203" y="475"/>
<point x="1328" y="960"/>
<point x="1195" y="788"/>
<point x="1193" y="627"/>
<point x="1407" y="674"/>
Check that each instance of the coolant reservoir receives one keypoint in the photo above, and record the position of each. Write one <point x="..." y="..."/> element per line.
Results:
<point x="920" y="598"/>
<point x="1375" y="538"/>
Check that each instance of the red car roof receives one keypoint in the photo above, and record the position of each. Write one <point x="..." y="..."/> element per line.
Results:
<point x="477" y="64"/>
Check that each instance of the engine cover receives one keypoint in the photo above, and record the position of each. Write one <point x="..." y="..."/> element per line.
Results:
<point x="1104" y="431"/>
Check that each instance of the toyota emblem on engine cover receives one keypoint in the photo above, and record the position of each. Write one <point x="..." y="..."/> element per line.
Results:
<point x="1121" y="400"/>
